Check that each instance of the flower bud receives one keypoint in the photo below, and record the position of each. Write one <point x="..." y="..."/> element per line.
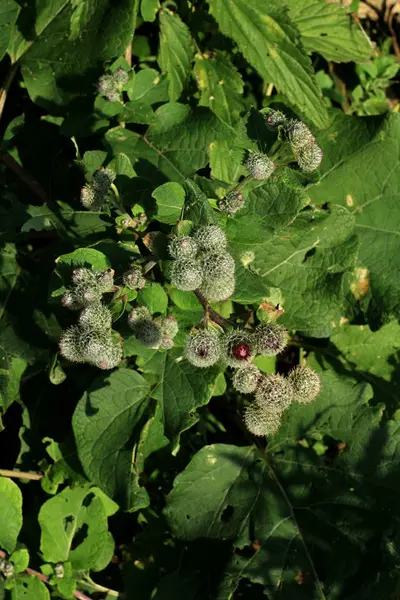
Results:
<point x="133" y="279"/>
<point x="104" y="281"/>
<point x="261" y="420"/>
<point x="138" y="314"/>
<point x="306" y="384"/>
<point x="8" y="570"/>
<point x="232" y="203"/>
<point x="183" y="247"/>
<point x="102" y="180"/>
<point x="309" y="158"/>
<point x="218" y="267"/>
<point x="148" y="332"/>
<point x="218" y="291"/>
<point x="169" y="326"/>
<point x="238" y="346"/>
<point x="245" y="379"/>
<point x="90" y="198"/>
<point x="299" y="135"/>
<point x="203" y="348"/>
<point x="120" y="77"/>
<point x="273" y="118"/>
<point x="112" y="356"/>
<point x="59" y="570"/>
<point x="186" y="274"/>
<point x="259" y="166"/>
<point x="105" y="85"/>
<point x="96" y="316"/>
<point x="271" y="339"/>
<point x="166" y="343"/>
<point x="70" y="344"/>
<point x="274" y="391"/>
<point x="210" y="237"/>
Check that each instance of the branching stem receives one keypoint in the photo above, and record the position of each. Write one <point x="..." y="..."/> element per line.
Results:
<point x="210" y="312"/>
<point x="20" y="474"/>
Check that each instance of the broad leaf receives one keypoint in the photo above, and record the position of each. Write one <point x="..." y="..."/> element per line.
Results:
<point x="268" y="40"/>
<point x="10" y="514"/>
<point x="170" y="198"/>
<point x="29" y="587"/>
<point x="361" y="171"/>
<point x="74" y="527"/>
<point x="291" y="514"/>
<point x="220" y="85"/>
<point x="176" y="52"/>
<point x="8" y="15"/>
<point x="327" y="29"/>
<point x="106" y="424"/>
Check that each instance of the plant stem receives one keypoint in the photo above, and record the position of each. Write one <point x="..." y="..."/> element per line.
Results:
<point x="21" y="474"/>
<point x="209" y="311"/>
<point x="99" y="588"/>
<point x="6" y="86"/>
<point x="117" y="203"/>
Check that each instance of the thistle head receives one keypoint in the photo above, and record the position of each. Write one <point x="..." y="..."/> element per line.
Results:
<point x="120" y="77"/>
<point x="203" y="348"/>
<point x="59" y="570"/>
<point x="69" y="300"/>
<point x="102" y="180"/>
<point x="133" y="279"/>
<point x="183" y="247"/>
<point x="274" y="118"/>
<point x="111" y="357"/>
<point x="186" y="274"/>
<point x="169" y="326"/>
<point x="306" y="384"/>
<point x="219" y="290"/>
<point x="239" y="347"/>
<point x="138" y="314"/>
<point x="96" y="316"/>
<point x="246" y="378"/>
<point x="90" y="198"/>
<point x="232" y="203"/>
<point x="262" y="420"/>
<point x="274" y="391"/>
<point x="218" y="267"/>
<point x="299" y="135"/>
<point x="309" y="158"/>
<point x="210" y="237"/>
<point x="70" y="344"/>
<point x="104" y="281"/>
<point x="105" y="85"/>
<point x="271" y="339"/>
<point x="259" y="165"/>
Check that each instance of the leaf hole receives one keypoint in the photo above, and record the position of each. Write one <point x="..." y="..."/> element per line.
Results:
<point x="69" y="524"/>
<point x="309" y="254"/>
<point x="227" y="514"/>
<point x="188" y="517"/>
<point x="80" y="536"/>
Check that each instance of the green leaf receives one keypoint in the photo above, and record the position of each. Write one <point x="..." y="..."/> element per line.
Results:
<point x="20" y="560"/>
<point x="149" y="9"/>
<point x="65" y="518"/>
<point x="170" y="199"/>
<point x="180" y="389"/>
<point x="176" y="143"/>
<point x="176" y="52"/>
<point x="137" y="112"/>
<point x="10" y="514"/>
<point x="106" y="424"/>
<point x="269" y="41"/>
<point x="369" y="148"/>
<point x="12" y="369"/>
<point x="154" y="297"/>
<point x="220" y="85"/>
<point x="288" y="510"/>
<point x="327" y="28"/>
<point x="148" y="86"/>
<point x="29" y="587"/>
<point x="8" y="15"/>
<point x="85" y="257"/>
<point x="61" y="40"/>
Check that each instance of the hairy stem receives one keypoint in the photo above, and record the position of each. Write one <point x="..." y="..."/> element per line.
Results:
<point x="6" y="86"/>
<point x="210" y="312"/>
<point x="20" y="474"/>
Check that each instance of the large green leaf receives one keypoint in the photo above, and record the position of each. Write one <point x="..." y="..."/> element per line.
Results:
<point x="304" y="254"/>
<point x="361" y="170"/>
<point x="74" y="527"/>
<point x="106" y="424"/>
<point x="29" y="587"/>
<point x="327" y="29"/>
<point x="10" y="514"/>
<point x="60" y="45"/>
<point x="8" y="15"/>
<point x="300" y="521"/>
<point x="175" y="145"/>
<point x="269" y="41"/>
<point x="220" y="85"/>
<point x="176" y="52"/>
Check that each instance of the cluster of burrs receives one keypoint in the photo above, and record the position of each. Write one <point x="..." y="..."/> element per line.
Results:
<point x="91" y="340"/>
<point x="273" y="393"/>
<point x="202" y="262"/>
<point x="260" y="166"/>
<point x="111" y="85"/>
<point x="157" y="333"/>
<point x="6" y="568"/>
<point x="94" y="194"/>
